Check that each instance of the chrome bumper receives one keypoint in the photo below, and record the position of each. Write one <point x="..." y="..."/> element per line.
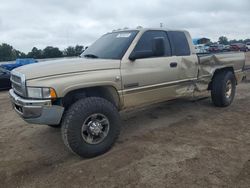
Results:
<point x="36" y="111"/>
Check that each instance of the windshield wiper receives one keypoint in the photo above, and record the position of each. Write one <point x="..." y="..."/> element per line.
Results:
<point x="90" y="56"/>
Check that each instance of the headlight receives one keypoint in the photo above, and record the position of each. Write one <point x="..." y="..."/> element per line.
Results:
<point x="41" y="93"/>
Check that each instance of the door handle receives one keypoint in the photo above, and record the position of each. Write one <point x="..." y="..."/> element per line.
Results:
<point x="173" y="65"/>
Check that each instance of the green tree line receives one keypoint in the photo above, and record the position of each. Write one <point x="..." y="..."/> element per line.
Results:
<point x="224" y="40"/>
<point x="8" y="53"/>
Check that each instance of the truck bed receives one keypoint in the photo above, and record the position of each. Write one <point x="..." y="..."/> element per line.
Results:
<point x="247" y="65"/>
<point x="209" y="63"/>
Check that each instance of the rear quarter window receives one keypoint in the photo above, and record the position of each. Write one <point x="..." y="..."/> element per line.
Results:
<point x="179" y="43"/>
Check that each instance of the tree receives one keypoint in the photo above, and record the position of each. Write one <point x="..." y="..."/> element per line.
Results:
<point x="35" y="53"/>
<point x="247" y="40"/>
<point x="51" y="52"/>
<point x="73" y="51"/>
<point x="19" y="54"/>
<point x="70" y="51"/>
<point x="79" y="49"/>
<point x="223" y="40"/>
<point x="7" y="52"/>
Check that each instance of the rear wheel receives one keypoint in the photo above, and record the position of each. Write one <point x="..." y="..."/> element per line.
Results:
<point x="223" y="89"/>
<point x="91" y="126"/>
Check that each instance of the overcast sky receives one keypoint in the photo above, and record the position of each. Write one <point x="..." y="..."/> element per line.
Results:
<point x="28" y="23"/>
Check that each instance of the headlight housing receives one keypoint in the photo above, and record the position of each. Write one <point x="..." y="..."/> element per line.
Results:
<point x="41" y="93"/>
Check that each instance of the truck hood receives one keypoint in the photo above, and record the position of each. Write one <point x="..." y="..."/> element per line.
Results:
<point x="66" y="66"/>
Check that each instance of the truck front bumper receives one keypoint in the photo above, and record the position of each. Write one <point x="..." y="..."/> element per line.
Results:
<point x="36" y="111"/>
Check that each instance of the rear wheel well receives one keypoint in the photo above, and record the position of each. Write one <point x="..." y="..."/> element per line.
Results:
<point x="107" y="92"/>
<point x="218" y="71"/>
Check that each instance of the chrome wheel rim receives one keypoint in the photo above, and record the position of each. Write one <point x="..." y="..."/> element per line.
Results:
<point x="229" y="88"/>
<point x="95" y="128"/>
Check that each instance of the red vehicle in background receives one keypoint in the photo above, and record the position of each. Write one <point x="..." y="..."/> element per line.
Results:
<point x="238" y="47"/>
<point x="215" y="48"/>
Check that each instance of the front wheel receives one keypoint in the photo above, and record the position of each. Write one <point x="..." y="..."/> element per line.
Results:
<point x="91" y="126"/>
<point x="223" y="89"/>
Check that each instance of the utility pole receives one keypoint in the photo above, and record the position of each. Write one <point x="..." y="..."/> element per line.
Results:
<point x="161" y="25"/>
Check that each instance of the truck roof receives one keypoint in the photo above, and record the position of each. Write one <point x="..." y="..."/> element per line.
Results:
<point x="142" y="30"/>
<point x="146" y="29"/>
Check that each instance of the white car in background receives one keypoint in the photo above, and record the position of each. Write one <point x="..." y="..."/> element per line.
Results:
<point x="248" y="45"/>
<point x="201" y="48"/>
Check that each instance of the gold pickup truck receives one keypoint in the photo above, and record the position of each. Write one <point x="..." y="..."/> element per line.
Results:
<point x="121" y="70"/>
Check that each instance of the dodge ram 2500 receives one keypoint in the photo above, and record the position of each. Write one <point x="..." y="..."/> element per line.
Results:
<point x="121" y="70"/>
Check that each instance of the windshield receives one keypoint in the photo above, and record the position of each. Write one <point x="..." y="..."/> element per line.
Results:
<point x="111" y="45"/>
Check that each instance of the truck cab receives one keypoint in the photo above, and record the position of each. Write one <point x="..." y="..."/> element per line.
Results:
<point x="153" y="69"/>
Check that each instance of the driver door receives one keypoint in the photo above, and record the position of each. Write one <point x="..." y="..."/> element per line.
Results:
<point x="151" y="79"/>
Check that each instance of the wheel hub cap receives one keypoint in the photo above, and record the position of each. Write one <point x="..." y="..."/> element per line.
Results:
<point x="95" y="128"/>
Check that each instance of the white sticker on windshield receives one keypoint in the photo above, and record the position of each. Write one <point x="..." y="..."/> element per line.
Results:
<point x="123" y="35"/>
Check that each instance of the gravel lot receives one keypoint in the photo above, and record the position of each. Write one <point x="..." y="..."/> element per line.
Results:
<point x="175" y="144"/>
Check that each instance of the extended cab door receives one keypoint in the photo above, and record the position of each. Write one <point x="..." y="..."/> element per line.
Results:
<point x="151" y="79"/>
<point x="186" y="57"/>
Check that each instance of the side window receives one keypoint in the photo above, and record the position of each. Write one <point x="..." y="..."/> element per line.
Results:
<point x="179" y="43"/>
<point x="146" y="41"/>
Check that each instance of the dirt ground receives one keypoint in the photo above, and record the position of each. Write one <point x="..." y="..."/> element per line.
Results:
<point x="174" y="144"/>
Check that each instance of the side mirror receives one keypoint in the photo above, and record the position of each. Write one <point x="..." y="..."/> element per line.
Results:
<point x="158" y="46"/>
<point x="158" y="50"/>
<point x="140" y="54"/>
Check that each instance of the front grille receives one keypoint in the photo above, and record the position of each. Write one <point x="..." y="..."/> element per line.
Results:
<point x="16" y="78"/>
<point x="17" y="89"/>
<point x="18" y="81"/>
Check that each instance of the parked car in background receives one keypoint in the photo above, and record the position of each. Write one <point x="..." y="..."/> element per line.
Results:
<point x="215" y="48"/>
<point x="238" y="47"/>
<point x="248" y="45"/>
<point x="19" y="63"/>
<point x="4" y="79"/>
<point x="201" y="48"/>
<point x="226" y="48"/>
